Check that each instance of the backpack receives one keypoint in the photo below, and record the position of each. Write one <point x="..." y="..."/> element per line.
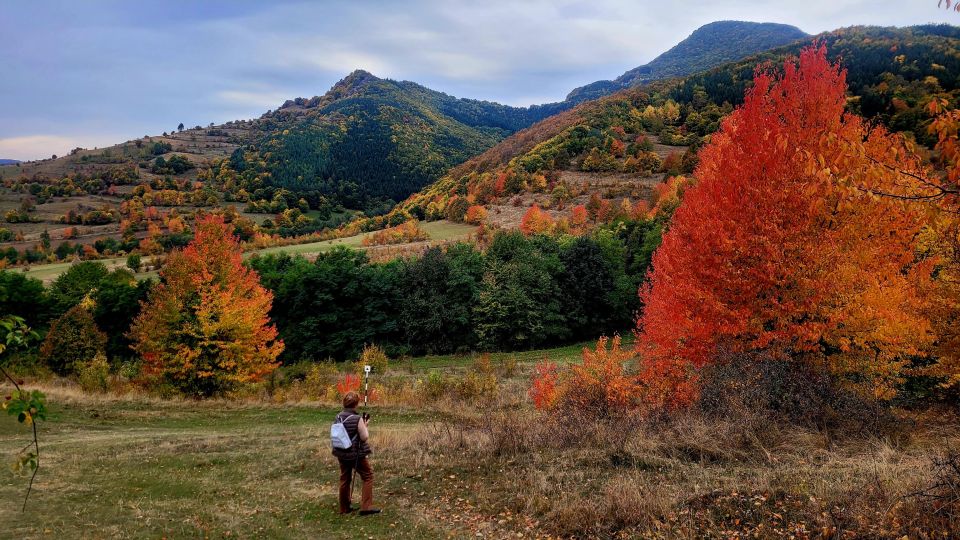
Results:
<point x="339" y="438"/>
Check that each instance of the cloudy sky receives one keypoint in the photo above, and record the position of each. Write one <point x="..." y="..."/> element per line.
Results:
<point x="97" y="72"/>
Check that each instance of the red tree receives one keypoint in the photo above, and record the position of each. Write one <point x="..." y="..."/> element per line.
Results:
<point x="778" y="245"/>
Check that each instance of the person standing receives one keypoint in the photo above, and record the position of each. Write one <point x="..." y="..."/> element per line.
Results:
<point x="356" y="457"/>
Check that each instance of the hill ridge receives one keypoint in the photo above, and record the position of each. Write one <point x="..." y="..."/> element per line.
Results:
<point x="706" y="47"/>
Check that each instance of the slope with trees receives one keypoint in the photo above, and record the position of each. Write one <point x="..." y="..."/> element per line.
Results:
<point x="708" y="46"/>
<point x="606" y="144"/>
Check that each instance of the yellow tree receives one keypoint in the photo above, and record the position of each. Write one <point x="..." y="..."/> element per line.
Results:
<point x="205" y="329"/>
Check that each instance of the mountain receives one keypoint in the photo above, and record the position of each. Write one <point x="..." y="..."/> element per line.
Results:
<point x="9" y="161"/>
<point x="362" y="145"/>
<point x="369" y="141"/>
<point x="707" y="47"/>
<point x="607" y="146"/>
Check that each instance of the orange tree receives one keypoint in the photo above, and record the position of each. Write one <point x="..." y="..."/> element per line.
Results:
<point x="205" y="328"/>
<point x="536" y="221"/>
<point x="783" y="243"/>
<point x="941" y="238"/>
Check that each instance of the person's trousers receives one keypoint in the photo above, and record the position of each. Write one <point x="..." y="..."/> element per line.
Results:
<point x="346" y="477"/>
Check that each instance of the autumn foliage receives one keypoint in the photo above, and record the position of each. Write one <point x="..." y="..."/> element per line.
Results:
<point x="601" y="382"/>
<point x="408" y="231"/>
<point x="543" y="385"/>
<point x="349" y="382"/>
<point x="784" y="244"/>
<point x="476" y="215"/>
<point x="536" y="221"/>
<point x="205" y="329"/>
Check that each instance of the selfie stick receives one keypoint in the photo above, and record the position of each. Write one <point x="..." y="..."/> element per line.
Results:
<point x="366" y="384"/>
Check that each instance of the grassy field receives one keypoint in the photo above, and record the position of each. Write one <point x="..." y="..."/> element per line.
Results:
<point x="457" y="466"/>
<point x="115" y="468"/>
<point x="438" y="231"/>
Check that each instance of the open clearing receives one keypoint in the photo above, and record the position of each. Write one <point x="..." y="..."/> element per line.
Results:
<point x="138" y="466"/>
<point x="439" y="231"/>
<point x="114" y="468"/>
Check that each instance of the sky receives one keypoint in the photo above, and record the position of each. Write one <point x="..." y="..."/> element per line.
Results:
<point x="99" y="72"/>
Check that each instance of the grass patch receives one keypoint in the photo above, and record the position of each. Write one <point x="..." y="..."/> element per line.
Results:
<point x="438" y="231"/>
<point x="185" y="469"/>
<point x="560" y="355"/>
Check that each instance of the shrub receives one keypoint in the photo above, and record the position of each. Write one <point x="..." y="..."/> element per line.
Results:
<point x="435" y="386"/>
<point x="480" y="381"/>
<point x="129" y="369"/>
<point x="789" y="390"/>
<point x="508" y="367"/>
<point x="350" y="382"/>
<point x="134" y="262"/>
<point x="600" y="384"/>
<point x="304" y="380"/>
<point x="374" y="356"/>
<point x="543" y="386"/>
<point x="73" y="340"/>
<point x="536" y="221"/>
<point x="95" y="375"/>
<point x="476" y="215"/>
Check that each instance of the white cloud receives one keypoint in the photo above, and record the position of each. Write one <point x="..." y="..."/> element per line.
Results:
<point x="70" y="68"/>
<point x="267" y="99"/>
<point x="43" y="146"/>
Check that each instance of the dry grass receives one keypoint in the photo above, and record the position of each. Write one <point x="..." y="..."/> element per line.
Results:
<point x="135" y="465"/>
<point x="694" y="477"/>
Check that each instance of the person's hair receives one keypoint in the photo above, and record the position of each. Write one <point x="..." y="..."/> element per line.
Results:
<point x="351" y="400"/>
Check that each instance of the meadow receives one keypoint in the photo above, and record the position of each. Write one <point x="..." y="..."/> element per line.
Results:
<point x="461" y="465"/>
<point x="439" y="231"/>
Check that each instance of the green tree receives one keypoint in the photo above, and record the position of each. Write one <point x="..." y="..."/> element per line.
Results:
<point x="73" y="340"/>
<point x="134" y="262"/>
<point x="24" y="297"/>
<point x="439" y="290"/>
<point x="71" y="286"/>
<point x="117" y="302"/>
<point x="519" y="301"/>
<point x="587" y="284"/>
<point x="331" y="308"/>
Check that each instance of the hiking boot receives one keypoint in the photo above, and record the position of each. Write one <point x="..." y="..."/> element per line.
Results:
<point x="370" y="512"/>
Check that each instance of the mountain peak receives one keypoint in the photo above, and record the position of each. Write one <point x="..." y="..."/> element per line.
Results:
<point x="708" y="46"/>
<point x="352" y="84"/>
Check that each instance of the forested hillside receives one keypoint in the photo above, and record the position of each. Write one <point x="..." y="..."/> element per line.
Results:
<point x="311" y="164"/>
<point x="622" y="145"/>
<point x="367" y="142"/>
<point x="707" y="47"/>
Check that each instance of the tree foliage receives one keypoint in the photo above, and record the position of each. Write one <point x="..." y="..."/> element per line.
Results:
<point x="73" y="340"/>
<point x="779" y="245"/>
<point x="205" y="329"/>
